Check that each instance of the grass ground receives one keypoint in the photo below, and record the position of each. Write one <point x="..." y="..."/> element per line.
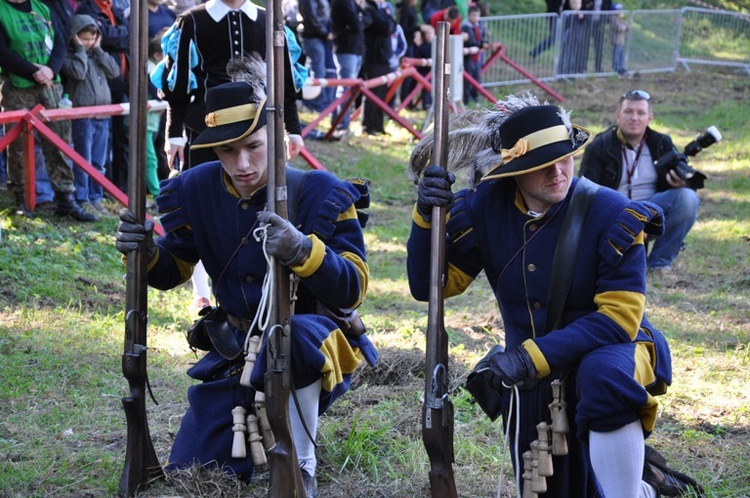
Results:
<point x="62" y="429"/>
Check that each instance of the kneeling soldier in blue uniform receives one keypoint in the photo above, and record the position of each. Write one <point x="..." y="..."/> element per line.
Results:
<point x="210" y="213"/>
<point x="610" y="359"/>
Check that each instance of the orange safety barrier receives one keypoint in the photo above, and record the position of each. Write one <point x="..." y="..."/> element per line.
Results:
<point x="32" y="120"/>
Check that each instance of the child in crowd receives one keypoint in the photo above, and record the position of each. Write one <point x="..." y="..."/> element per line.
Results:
<point x="86" y="69"/>
<point x="153" y="119"/>
<point x="619" y="29"/>
<point x="475" y="35"/>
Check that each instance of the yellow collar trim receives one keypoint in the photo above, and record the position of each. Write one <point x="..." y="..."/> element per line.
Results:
<point x="534" y="141"/>
<point x="234" y="114"/>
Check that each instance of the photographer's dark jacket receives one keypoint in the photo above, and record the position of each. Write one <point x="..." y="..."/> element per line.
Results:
<point x="602" y="159"/>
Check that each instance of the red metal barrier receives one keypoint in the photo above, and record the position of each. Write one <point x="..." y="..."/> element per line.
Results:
<point x="34" y="120"/>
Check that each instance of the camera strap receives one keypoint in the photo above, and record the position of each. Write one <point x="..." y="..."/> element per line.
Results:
<point x="630" y="169"/>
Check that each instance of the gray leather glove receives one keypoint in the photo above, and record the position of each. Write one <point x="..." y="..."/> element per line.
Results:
<point x="283" y="241"/>
<point x="130" y="234"/>
<point x="513" y="368"/>
<point x="434" y="190"/>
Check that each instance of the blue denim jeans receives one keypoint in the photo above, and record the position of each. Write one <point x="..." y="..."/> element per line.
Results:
<point x="90" y="140"/>
<point x="315" y="49"/>
<point x="44" y="192"/>
<point x="347" y="66"/>
<point x="680" y="206"/>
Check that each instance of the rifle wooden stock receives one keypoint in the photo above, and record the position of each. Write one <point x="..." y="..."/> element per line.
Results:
<point x="141" y="463"/>
<point x="285" y="476"/>
<point x="437" y="417"/>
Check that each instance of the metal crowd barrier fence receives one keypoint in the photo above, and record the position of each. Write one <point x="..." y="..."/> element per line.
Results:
<point x="581" y="43"/>
<point x="29" y="121"/>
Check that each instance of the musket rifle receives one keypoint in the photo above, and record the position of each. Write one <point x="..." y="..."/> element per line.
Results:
<point x="437" y="417"/>
<point x="141" y="463"/>
<point x="285" y="476"/>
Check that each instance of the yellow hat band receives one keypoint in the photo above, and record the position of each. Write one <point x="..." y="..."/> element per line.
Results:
<point x="534" y="141"/>
<point x="235" y="114"/>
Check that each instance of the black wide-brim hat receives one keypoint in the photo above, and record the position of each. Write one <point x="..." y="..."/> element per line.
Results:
<point x="535" y="137"/>
<point x="233" y="111"/>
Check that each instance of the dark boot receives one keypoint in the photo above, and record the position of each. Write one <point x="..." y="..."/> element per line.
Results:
<point x="66" y="206"/>
<point x="665" y="481"/>
<point x="21" y="207"/>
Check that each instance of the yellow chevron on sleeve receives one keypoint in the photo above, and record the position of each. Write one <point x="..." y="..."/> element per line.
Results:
<point x="457" y="281"/>
<point x="625" y="308"/>
<point x="340" y="359"/>
<point x="349" y="214"/>
<point x="540" y="362"/>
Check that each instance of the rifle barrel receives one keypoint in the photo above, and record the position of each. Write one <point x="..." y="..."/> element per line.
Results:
<point x="141" y="464"/>
<point x="437" y="420"/>
<point x="285" y="476"/>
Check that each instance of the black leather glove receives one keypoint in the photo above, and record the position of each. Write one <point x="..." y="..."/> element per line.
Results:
<point x="514" y="367"/>
<point x="130" y="234"/>
<point x="434" y="190"/>
<point x="284" y="241"/>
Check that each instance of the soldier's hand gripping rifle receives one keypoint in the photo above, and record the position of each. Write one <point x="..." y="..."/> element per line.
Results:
<point x="285" y="476"/>
<point x="141" y="463"/>
<point x="437" y="417"/>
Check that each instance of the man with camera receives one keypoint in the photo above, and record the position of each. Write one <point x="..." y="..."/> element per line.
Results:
<point x="643" y="164"/>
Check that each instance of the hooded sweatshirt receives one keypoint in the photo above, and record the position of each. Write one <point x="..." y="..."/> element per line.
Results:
<point x="87" y="72"/>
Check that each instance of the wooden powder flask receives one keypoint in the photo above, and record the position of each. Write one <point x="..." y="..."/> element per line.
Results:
<point x="551" y="440"/>
<point x="528" y="476"/>
<point x="257" y="451"/>
<point x="560" y="426"/>
<point x="544" y="450"/>
<point x="260" y="435"/>
<point x="239" y="428"/>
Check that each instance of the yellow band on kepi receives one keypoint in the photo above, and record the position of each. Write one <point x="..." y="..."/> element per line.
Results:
<point x="231" y="115"/>
<point x="534" y="141"/>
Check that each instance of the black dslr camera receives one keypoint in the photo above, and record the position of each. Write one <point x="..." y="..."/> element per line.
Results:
<point x="673" y="160"/>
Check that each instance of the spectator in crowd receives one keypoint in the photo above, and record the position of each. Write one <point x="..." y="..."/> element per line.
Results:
<point x="624" y="157"/>
<point x="206" y="38"/>
<point x="450" y="15"/>
<point x="180" y="6"/>
<point x="160" y="17"/>
<point x="348" y="44"/>
<point x="379" y="26"/>
<point x="153" y="121"/>
<point x="575" y="40"/>
<point x="32" y="52"/>
<point x="115" y="30"/>
<point x="553" y="7"/>
<point x="619" y="31"/>
<point x="429" y="7"/>
<point x="323" y="245"/>
<point x="398" y="45"/>
<point x="408" y="19"/>
<point x="598" y="342"/>
<point x="62" y="14"/>
<point x="475" y="35"/>
<point x="317" y="44"/>
<point x="597" y="26"/>
<point x="87" y="68"/>
<point x="423" y="40"/>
